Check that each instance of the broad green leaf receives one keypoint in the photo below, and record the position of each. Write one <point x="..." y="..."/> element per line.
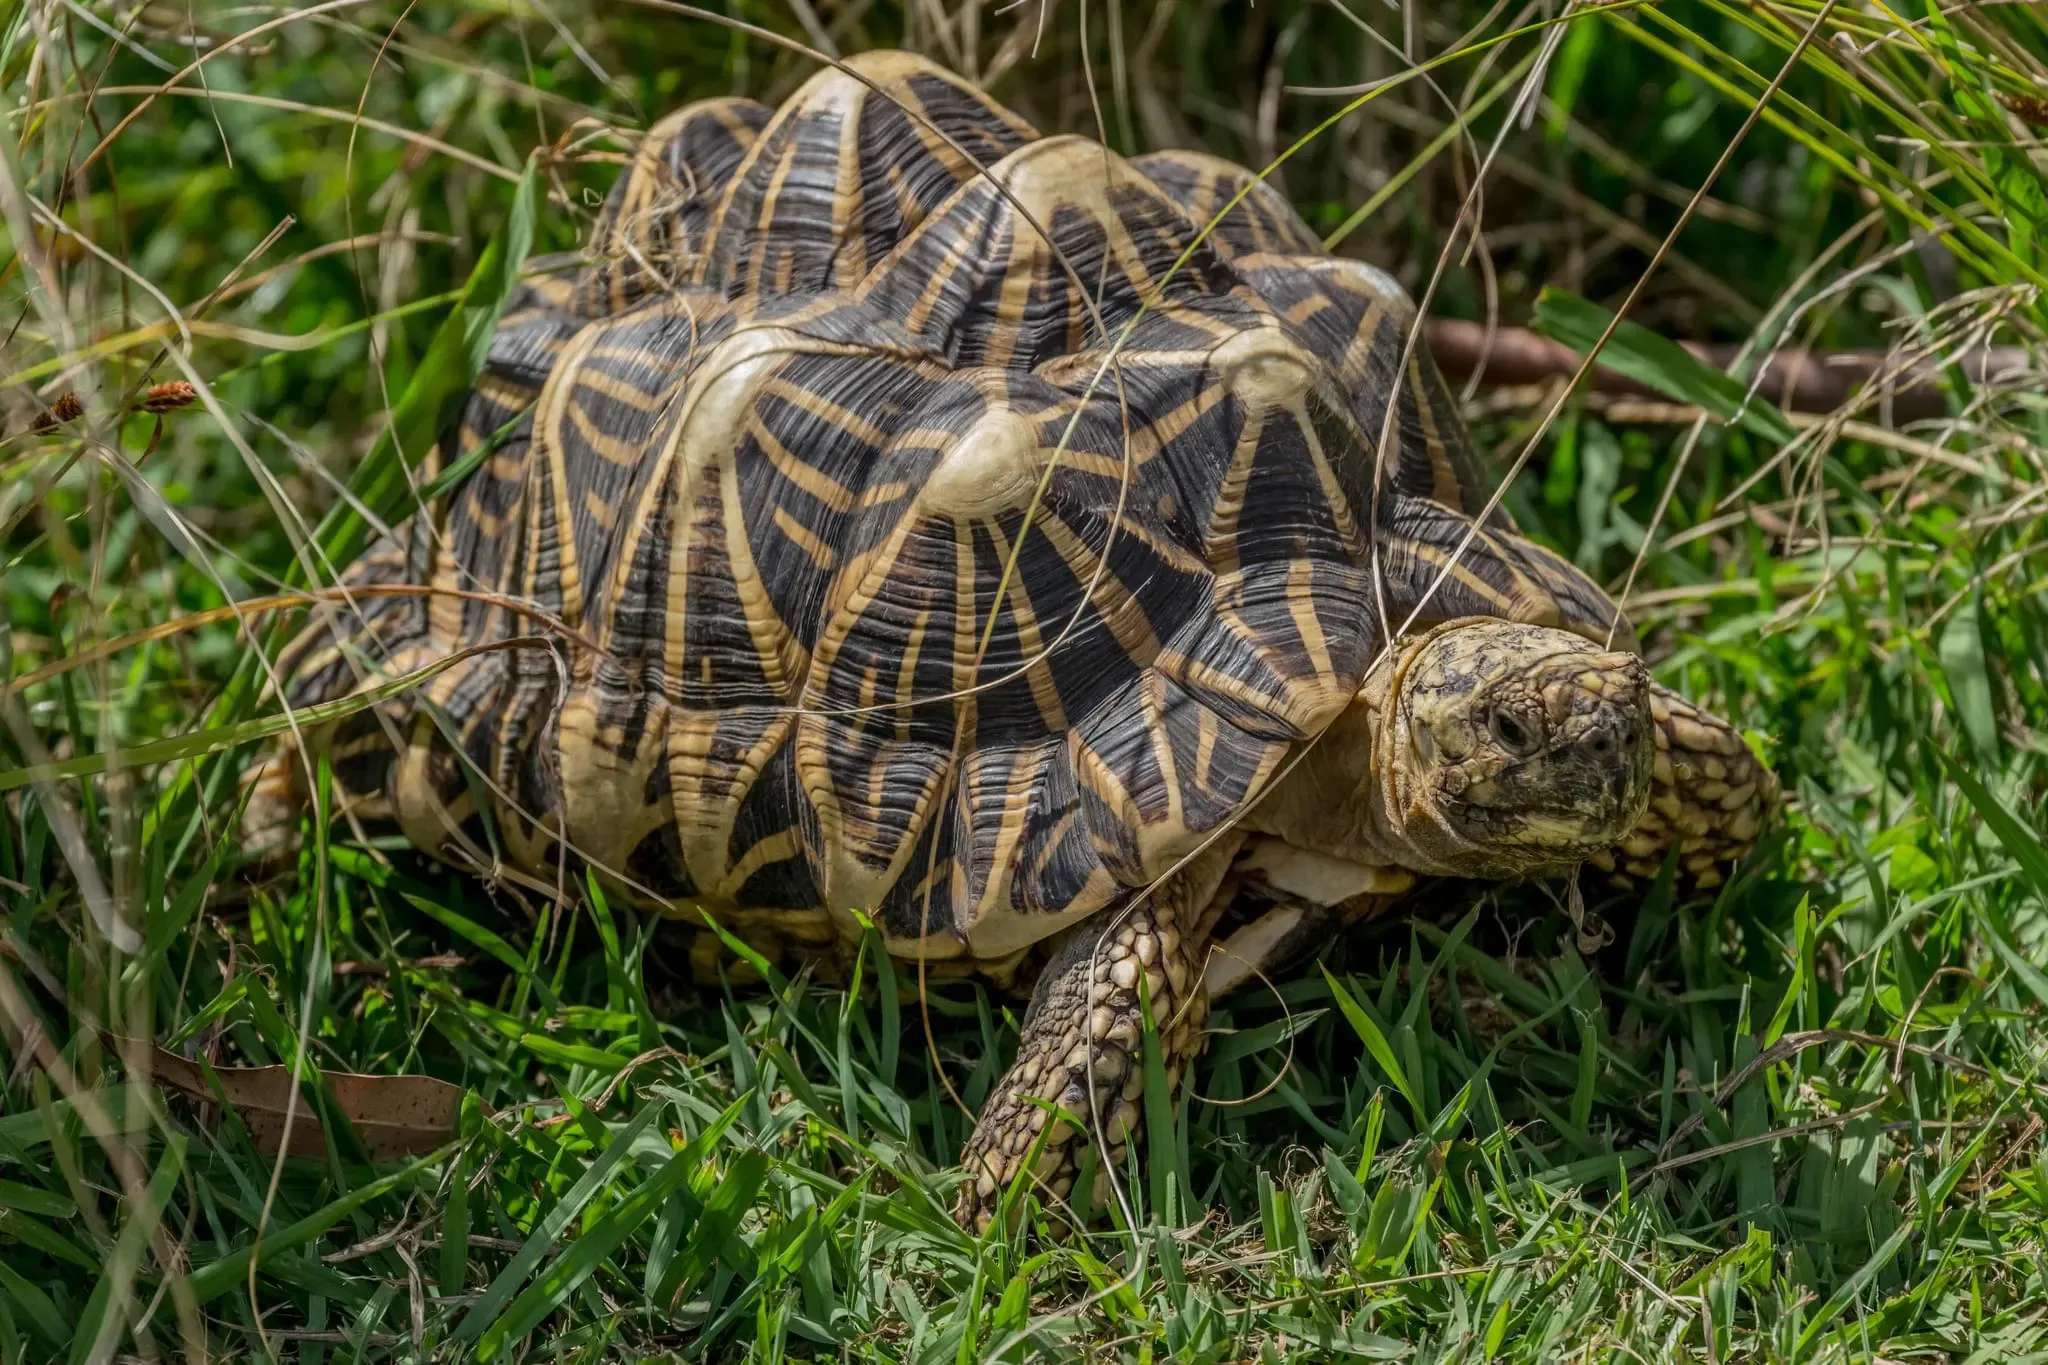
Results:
<point x="1640" y="354"/>
<point x="36" y="1306"/>
<point x="27" y="1131"/>
<point x="1840" y="1301"/>
<point x="454" y="1267"/>
<point x="490" y="942"/>
<point x="1161" y="1155"/>
<point x="1228" y="1047"/>
<point x="140" y="1224"/>
<point x="466" y="464"/>
<point x="30" y="1199"/>
<point x="1568" y="73"/>
<point x="2022" y="193"/>
<point x="721" y="1217"/>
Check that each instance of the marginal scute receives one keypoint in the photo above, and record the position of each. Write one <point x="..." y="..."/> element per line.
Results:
<point x="604" y="783"/>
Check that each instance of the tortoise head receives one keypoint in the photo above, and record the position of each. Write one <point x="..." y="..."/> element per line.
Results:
<point x="1505" y="749"/>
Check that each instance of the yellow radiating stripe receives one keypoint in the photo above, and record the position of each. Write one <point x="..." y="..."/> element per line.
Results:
<point x="1206" y="734"/>
<point x="1301" y="606"/>
<point x="1113" y="600"/>
<point x="1334" y="493"/>
<point x="1443" y="481"/>
<point x="1366" y="343"/>
<point x="826" y="410"/>
<point x="1514" y="605"/>
<point x="966" y="620"/>
<point x="925" y="438"/>
<point x="1285" y="701"/>
<point x="1050" y="839"/>
<point x="817" y="551"/>
<point x="1093" y="772"/>
<point x="783" y="659"/>
<point x="849" y="200"/>
<point x="1219" y="538"/>
<point x="851" y="594"/>
<point x="808" y="477"/>
<point x="1151" y="691"/>
<point x="609" y="448"/>
<point x="951" y="262"/>
<point x="1149" y="438"/>
<point x="600" y="511"/>
<point x="1031" y="643"/>
<point x="556" y="399"/>
<point x="771" y="199"/>
<point x="1021" y="272"/>
<point x="1014" y="823"/>
<point x="906" y="673"/>
<point x="621" y="390"/>
<point x="907" y="207"/>
<point x="776" y="848"/>
<point x="1174" y="554"/>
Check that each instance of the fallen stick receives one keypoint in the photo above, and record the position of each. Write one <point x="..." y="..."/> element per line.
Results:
<point x="1796" y="380"/>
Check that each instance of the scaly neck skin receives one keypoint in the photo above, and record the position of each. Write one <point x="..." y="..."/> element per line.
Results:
<point x="1353" y="796"/>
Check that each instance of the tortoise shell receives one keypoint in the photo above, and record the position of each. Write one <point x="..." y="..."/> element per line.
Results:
<point x="961" y="525"/>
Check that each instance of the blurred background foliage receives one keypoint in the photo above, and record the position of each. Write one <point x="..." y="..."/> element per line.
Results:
<point x="1803" y="1122"/>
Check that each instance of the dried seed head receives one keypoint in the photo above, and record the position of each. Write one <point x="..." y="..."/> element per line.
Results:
<point x="169" y="397"/>
<point x="2031" y="110"/>
<point x="67" y="408"/>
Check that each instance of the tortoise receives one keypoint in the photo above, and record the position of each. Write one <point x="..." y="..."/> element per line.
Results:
<point x="1054" y="562"/>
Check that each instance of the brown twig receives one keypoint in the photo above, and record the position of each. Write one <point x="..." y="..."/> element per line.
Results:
<point x="1796" y="380"/>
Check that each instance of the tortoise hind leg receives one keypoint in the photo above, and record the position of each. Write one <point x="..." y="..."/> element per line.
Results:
<point x="1082" y="1049"/>
<point x="1709" y="796"/>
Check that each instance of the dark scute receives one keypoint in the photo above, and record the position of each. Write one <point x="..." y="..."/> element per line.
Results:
<point x="656" y="862"/>
<point x="772" y="806"/>
<point x="1286" y="516"/>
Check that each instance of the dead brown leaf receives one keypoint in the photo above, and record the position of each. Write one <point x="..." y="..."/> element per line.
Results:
<point x="395" y="1116"/>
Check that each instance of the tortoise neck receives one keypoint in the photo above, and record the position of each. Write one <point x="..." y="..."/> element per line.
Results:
<point x="1340" y="796"/>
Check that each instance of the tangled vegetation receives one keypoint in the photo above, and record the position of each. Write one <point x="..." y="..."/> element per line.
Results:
<point x="249" y="253"/>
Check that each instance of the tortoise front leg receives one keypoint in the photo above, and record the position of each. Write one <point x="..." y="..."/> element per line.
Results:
<point x="1082" y="1044"/>
<point x="1709" y="796"/>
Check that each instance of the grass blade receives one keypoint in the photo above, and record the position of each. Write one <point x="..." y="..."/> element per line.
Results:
<point x="487" y="1309"/>
<point x="1640" y="354"/>
<point x="446" y="373"/>
<point x="585" y="1254"/>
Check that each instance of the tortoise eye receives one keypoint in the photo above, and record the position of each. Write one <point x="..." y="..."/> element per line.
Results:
<point x="1514" y="734"/>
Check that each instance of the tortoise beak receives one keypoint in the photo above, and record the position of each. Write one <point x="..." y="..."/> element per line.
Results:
<point x="1598" y="708"/>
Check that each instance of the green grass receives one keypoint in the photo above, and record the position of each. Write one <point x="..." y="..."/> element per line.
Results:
<point x="1802" y="1122"/>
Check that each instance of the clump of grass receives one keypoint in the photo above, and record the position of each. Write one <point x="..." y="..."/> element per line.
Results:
<point x="1804" y="1121"/>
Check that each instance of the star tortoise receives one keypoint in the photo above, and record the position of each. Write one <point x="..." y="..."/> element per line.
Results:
<point x="1057" y="560"/>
